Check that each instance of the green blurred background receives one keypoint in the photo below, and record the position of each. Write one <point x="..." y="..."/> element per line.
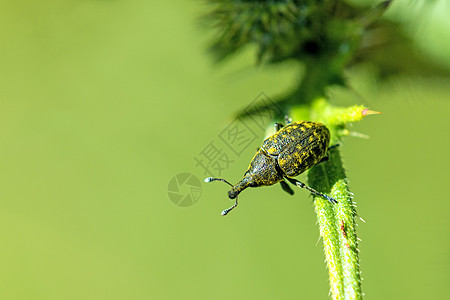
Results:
<point x="103" y="102"/>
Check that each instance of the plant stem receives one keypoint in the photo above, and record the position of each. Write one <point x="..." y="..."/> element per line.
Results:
<point x="337" y="227"/>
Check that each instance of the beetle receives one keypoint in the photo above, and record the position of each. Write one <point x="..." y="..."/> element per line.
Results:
<point x="290" y="151"/>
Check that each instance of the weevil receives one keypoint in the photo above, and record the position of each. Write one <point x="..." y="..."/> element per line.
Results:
<point x="290" y="151"/>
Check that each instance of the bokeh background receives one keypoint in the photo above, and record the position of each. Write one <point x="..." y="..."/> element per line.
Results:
<point x="103" y="102"/>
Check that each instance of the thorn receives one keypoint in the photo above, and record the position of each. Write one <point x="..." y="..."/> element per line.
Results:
<point x="367" y="112"/>
<point x="318" y="240"/>
<point x="359" y="135"/>
<point x="362" y="220"/>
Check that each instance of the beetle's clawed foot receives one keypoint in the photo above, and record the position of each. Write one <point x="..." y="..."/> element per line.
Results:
<point x="287" y="119"/>
<point x="331" y="199"/>
<point x="334" y="146"/>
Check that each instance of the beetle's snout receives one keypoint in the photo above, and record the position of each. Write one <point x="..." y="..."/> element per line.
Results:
<point x="232" y="194"/>
<point x="238" y="188"/>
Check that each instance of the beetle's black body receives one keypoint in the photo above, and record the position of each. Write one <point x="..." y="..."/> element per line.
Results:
<point x="289" y="152"/>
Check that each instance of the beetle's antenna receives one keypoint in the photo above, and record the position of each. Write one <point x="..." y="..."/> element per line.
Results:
<point x="211" y="179"/>
<point x="225" y="211"/>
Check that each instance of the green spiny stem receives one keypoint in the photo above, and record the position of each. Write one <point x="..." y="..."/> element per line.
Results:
<point x="337" y="227"/>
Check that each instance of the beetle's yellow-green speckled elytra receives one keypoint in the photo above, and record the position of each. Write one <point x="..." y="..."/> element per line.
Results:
<point x="292" y="150"/>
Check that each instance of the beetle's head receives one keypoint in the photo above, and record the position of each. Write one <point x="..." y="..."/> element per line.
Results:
<point x="233" y="193"/>
<point x="239" y="187"/>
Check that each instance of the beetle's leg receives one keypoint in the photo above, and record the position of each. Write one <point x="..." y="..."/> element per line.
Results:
<point x="287" y="120"/>
<point x="313" y="191"/>
<point x="333" y="146"/>
<point x="286" y="187"/>
<point x="325" y="158"/>
<point x="278" y="126"/>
